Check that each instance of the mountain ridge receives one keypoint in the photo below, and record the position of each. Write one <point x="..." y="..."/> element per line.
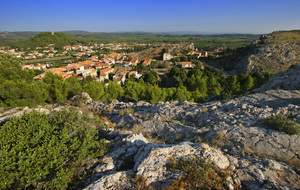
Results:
<point x="274" y="52"/>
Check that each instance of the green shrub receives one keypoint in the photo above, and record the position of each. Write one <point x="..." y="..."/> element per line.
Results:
<point x="42" y="152"/>
<point x="282" y="123"/>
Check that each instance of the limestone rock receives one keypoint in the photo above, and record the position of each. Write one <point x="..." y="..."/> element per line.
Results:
<point x="288" y="80"/>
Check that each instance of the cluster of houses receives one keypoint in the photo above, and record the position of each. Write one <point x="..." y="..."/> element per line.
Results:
<point x="101" y="69"/>
<point x="39" y="52"/>
<point x="98" y="69"/>
<point x="49" y="51"/>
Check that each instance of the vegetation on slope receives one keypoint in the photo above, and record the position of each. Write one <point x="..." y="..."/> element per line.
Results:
<point x="292" y="36"/>
<point x="16" y="39"/>
<point x="19" y="89"/>
<point x="200" y="41"/>
<point x="43" y="152"/>
<point x="45" y="38"/>
<point x="282" y="123"/>
<point x="7" y="38"/>
<point x="199" y="174"/>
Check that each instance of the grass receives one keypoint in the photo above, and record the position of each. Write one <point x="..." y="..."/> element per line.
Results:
<point x="200" y="41"/>
<point x="46" y="59"/>
<point x="292" y="36"/>
<point x="281" y="123"/>
<point x="140" y="183"/>
<point x="219" y="141"/>
<point x="126" y="111"/>
<point x="199" y="174"/>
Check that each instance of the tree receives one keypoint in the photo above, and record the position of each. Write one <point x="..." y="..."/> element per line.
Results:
<point x="73" y="86"/>
<point x="57" y="89"/>
<point x="151" y="77"/>
<point x="10" y="67"/>
<point x="113" y="91"/>
<point x="248" y="84"/>
<point x="94" y="89"/>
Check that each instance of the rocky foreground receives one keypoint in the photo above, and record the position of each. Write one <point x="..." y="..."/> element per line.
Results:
<point x="232" y="134"/>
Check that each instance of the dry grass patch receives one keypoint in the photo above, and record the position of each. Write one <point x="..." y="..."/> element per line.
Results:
<point x="199" y="174"/>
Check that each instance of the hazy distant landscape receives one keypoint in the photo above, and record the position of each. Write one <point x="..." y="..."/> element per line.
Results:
<point x="150" y="95"/>
<point x="200" y="40"/>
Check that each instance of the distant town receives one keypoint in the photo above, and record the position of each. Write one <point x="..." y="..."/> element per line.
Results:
<point x="115" y="64"/>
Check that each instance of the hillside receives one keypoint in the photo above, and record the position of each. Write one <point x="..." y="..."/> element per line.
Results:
<point x="7" y="38"/>
<point x="273" y="52"/>
<point x="200" y="41"/>
<point x="152" y="144"/>
<point x="45" y="38"/>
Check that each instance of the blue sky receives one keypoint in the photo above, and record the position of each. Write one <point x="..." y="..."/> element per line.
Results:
<point x="215" y="16"/>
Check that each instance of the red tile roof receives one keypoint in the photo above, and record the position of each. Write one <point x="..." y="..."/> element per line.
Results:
<point x="107" y="70"/>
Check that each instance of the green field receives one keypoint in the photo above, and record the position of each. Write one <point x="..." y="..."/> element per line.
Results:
<point x="46" y="59"/>
<point x="200" y="41"/>
<point x="207" y="42"/>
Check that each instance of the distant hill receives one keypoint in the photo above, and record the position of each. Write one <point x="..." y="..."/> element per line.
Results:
<point x="75" y="32"/>
<point x="274" y="52"/>
<point x="7" y="38"/>
<point x="45" y="38"/>
<point x="200" y="41"/>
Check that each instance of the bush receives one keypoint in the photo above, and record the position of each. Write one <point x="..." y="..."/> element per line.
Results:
<point x="199" y="174"/>
<point x="41" y="151"/>
<point x="283" y="124"/>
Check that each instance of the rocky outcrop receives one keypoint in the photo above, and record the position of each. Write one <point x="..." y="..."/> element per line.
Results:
<point x="289" y="80"/>
<point x="259" y="155"/>
<point x="232" y="134"/>
<point x="274" y="52"/>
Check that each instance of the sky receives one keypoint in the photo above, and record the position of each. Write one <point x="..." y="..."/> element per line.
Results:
<point x="209" y="16"/>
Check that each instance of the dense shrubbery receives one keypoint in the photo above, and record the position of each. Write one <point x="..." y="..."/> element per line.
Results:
<point x="19" y="89"/>
<point x="41" y="151"/>
<point x="282" y="123"/>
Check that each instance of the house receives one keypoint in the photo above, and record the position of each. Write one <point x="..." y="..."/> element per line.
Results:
<point x="200" y="54"/>
<point x="107" y="70"/>
<point x="120" y="76"/>
<point x="108" y="61"/>
<point x="186" y="64"/>
<point x="101" y="65"/>
<point x="135" y="73"/>
<point x="27" y="66"/>
<point x="134" y="62"/>
<point x="50" y="55"/>
<point x="104" y="74"/>
<point x="120" y="80"/>
<point x="90" y="72"/>
<point x="167" y="56"/>
<point x="65" y="75"/>
<point x="40" y="76"/>
<point x="102" y="77"/>
<point x="147" y="61"/>
<point x="40" y="67"/>
<point x="79" y="68"/>
<point x="94" y="57"/>
<point x="119" y="62"/>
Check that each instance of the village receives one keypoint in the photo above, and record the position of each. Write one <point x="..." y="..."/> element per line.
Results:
<point x="115" y="65"/>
